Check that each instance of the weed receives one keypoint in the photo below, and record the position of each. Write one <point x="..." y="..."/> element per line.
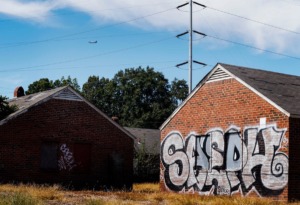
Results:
<point x="18" y="198"/>
<point x="141" y="194"/>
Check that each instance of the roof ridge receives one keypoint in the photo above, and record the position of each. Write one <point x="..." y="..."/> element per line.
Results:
<point x="33" y="94"/>
<point x="283" y="83"/>
<point x="258" y="69"/>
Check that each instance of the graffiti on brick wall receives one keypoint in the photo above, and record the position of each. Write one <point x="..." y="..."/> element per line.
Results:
<point x="223" y="163"/>
<point x="66" y="160"/>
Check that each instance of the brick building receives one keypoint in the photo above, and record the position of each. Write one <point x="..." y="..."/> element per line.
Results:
<point x="57" y="136"/>
<point x="237" y="133"/>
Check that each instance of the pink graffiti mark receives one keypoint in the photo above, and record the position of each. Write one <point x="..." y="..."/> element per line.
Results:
<point x="66" y="161"/>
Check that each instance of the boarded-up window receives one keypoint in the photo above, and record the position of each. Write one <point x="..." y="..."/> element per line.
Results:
<point x="49" y="152"/>
<point x="82" y="155"/>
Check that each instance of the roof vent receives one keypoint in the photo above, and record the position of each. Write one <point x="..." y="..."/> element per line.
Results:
<point x="67" y="95"/>
<point x="219" y="74"/>
<point x="19" y="92"/>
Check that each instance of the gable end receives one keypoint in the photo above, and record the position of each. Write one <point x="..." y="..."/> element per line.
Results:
<point x="219" y="74"/>
<point x="67" y="95"/>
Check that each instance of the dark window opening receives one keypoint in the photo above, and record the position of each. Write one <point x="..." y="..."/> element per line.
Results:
<point x="82" y="156"/>
<point x="49" y="152"/>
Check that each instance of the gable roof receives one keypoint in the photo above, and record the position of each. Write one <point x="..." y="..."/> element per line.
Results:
<point x="26" y="102"/>
<point x="150" y="138"/>
<point x="280" y="90"/>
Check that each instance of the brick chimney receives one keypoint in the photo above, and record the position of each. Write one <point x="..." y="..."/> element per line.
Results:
<point x="19" y="92"/>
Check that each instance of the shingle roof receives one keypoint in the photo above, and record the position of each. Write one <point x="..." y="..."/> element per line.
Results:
<point x="282" y="89"/>
<point x="24" y="103"/>
<point x="150" y="138"/>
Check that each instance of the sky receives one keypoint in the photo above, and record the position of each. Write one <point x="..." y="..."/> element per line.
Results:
<point x="51" y="38"/>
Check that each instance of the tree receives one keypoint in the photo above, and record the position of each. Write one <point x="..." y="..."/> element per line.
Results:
<point x="145" y="165"/>
<point x="44" y="84"/>
<point x="100" y="93"/>
<point x="5" y="108"/>
<point x="39" y="86"/>
<point x="179" y="90"/>
<point x="139" y="97"/>
<point x="69" y="81"/>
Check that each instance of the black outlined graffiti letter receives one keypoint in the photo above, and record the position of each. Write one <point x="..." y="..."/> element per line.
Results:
<point x="175" y="161"/>
<point x="234" y="152"/>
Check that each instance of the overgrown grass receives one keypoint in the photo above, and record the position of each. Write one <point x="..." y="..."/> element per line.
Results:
<point x="18" y="198"/>
<point x="42" y="192"/>
<point x="141" y="194"/>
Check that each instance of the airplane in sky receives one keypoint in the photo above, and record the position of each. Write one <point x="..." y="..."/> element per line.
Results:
<point x="93" y="41"/>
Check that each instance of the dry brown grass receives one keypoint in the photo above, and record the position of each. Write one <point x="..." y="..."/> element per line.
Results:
<point x="42" y="192"/>
<point x="141" y="194"/>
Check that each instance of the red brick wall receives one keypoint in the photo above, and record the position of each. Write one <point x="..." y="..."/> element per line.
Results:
<point x="230" y="113"/>
<point x="67" y="123"/>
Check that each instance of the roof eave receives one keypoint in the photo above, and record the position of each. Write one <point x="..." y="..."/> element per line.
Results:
<point x="16" y="114"/>
<point x="19" y="112"/>
<point x="194" y="91"/>
<point x="258" y="93"/>
<point x="104" y="115"/>
<point x="202" y="82"/>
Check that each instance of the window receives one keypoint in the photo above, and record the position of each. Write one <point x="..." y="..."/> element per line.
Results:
<point x="49" y="157"/>
<point x="82" y="156"/>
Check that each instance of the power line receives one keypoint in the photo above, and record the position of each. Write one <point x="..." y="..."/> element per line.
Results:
<point x="256" y="21"/>
<point x="190" y="32"/>
<point x="87" y="31"/>
<point x="89" y="57"/>
<point x="253" y="47"/>
<point x="90" y="66"/>
<point x="5" y="45"/>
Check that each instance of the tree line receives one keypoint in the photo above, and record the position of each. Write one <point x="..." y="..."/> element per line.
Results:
<point x="139" y="97"/>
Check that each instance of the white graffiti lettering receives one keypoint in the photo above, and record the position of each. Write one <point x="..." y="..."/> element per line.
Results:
<point x="225" y="163"/>
<point x="66" y="161"/>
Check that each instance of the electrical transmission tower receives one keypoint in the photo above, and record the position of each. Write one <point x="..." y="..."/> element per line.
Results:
<point x="190" y="32"/>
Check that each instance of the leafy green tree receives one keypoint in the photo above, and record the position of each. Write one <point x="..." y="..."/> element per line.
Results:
<point x="44" y="84"/>
<point x="139" y="97"/>
<point x="179" y="90"/>
<point x="40" y="85"/>
<point x="69" y="81"/>
<point x="5" y="108"/>
<point x="100" y="93"/>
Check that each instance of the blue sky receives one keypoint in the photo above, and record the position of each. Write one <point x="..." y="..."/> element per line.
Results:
<point x="49" y="38"/>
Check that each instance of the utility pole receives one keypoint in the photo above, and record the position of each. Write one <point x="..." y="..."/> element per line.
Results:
<point x="191" y="48"/>
<point x="190" y="32"/>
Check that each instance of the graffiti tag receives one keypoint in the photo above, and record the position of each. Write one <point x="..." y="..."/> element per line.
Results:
<point x="66" y="161"/>
<point x="223" y="163"/>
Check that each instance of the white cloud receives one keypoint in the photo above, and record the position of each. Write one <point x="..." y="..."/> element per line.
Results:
<point x="30" y="10"/>
<point x="282" y="13"/>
